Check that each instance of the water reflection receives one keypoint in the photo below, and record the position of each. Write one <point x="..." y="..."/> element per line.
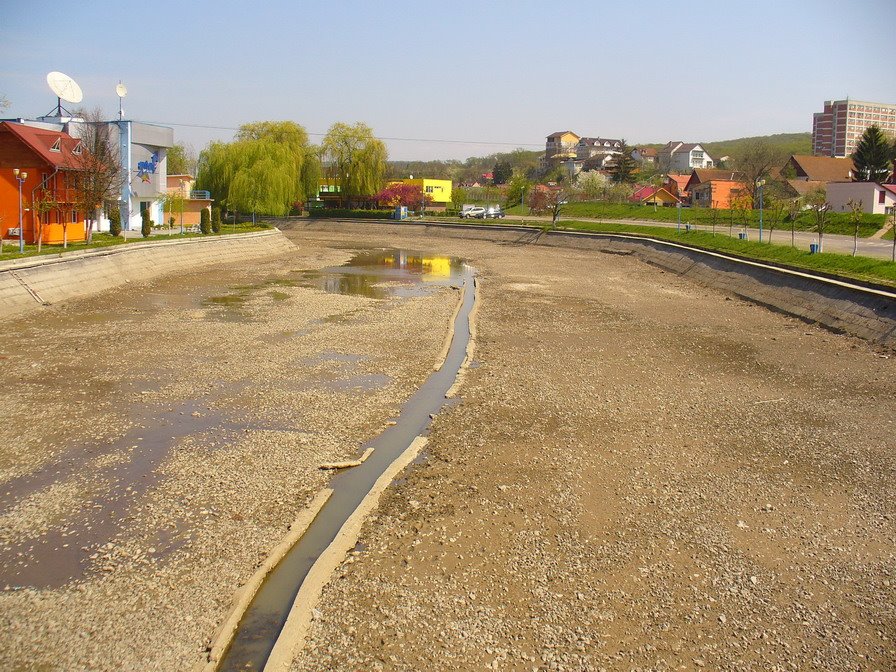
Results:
<point x="381" y="274"/>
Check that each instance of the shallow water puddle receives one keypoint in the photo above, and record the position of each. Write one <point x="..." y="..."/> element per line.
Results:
<point x="380" y="274"/>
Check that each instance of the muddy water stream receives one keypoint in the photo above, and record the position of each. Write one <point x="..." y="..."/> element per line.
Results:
<point x="368" y="274"/>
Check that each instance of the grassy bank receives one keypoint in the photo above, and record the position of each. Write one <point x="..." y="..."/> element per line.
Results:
<point x="11" y="248"/>
<point x="837" y="222"/>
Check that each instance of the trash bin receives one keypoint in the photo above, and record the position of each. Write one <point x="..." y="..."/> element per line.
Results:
<point x="742" y="235"/>
<point x="813" y="248"/>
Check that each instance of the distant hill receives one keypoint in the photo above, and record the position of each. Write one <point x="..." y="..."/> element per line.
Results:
<point x="787" y="143"/>
<point x="525" y="161"/>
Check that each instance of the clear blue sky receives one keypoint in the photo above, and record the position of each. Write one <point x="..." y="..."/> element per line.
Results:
<point x="504" y="74"/>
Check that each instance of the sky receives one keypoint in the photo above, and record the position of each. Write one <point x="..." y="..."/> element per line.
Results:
<point x="453" y="80"/>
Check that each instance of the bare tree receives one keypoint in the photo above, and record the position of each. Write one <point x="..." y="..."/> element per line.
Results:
<point x="794" y="208"/>
<point x="755" y="160"/>
<point x="818" y="201"/>
<point x="855" y="216"/>
<point x="98" y="174"/>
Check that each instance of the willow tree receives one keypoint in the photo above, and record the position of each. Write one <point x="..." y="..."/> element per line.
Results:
<point x="358" y="159"/>
<point x="266" y="169"/>
<point x="295" y="138"/>
<point x="266" y="180"/>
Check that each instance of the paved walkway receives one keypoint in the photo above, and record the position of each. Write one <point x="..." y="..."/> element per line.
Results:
<point x="867" y="247"/>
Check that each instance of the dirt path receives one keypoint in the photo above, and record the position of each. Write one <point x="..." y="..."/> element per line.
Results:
<point x="641" y="474"/>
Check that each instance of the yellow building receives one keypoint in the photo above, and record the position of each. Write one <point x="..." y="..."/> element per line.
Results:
<point x="438" y="190"/>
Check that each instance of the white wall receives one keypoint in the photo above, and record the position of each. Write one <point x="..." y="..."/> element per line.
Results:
<point x="840" y="193"/>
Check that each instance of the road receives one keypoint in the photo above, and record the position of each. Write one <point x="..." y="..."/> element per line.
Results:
<point x="867" y="247"/>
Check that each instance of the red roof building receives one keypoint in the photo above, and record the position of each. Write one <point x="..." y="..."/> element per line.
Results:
<point x="50" y="158"/>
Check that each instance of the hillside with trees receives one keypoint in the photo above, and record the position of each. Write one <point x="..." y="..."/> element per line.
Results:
<point x="525" y="162"/>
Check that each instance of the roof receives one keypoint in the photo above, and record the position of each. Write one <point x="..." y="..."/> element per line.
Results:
<point x="680" y="179"/>
<point x="648" y="192"/>
<point x="42" y="141"/>
<point x="554" y="135"/>
<point x="642" y="193"/>
<point x="824" y="168"/>
<point x="647" y="151"/>
<point x="890" y="187"/>
<point x="599" y="141"/>
<point x="804" y="187"/>
<point x="715" y="175"/>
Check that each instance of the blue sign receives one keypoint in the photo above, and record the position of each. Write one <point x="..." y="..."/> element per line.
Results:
<point x="146" y="168"/>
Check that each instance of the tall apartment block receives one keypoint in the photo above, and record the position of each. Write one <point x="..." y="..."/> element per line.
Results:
<point x="837" y="130"/>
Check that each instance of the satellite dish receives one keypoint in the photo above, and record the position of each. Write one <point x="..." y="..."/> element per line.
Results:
<point x="64" y="87"/>
<point x="122" y="91"/>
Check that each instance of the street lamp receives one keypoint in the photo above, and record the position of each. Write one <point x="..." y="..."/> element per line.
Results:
<point x="759" y="185"/>
<point x="20" y="178"/>
<point x="181" y="199"/>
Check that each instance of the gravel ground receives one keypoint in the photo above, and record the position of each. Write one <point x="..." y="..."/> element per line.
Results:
<point x="642" y="474"/>
<point x="122" y="546"/>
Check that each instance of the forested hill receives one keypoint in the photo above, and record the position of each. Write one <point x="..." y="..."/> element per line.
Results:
<point x="525" y="161"/>
<point x="785" y="143"/>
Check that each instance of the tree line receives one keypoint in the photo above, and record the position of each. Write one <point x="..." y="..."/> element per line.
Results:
<point x="271" y="167"/>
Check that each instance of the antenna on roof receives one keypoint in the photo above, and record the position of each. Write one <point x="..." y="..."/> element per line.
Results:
<point x="66" y="89"/>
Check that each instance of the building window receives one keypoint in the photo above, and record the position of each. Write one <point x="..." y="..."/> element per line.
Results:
<point x="881" y="197"/>
<point x="56" y="147"/>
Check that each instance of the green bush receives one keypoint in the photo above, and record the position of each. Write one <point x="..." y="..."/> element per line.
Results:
<point x="115" y="222"/>
<point x="216" y="220"/>
<point x="205" y="221"/>
<point x="146" y="226"/>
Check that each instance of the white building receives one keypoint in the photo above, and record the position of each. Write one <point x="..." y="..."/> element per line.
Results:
<point x="683" y="157"/>
<point x="143" y="150"/>
<point x="875" y="198"/>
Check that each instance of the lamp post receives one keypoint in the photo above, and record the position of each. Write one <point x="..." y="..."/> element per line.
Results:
<point x="759" y="185"/>
<point x="181" y="199"/>
<point x="678" y="207"/>
<point x="20" y="178"/>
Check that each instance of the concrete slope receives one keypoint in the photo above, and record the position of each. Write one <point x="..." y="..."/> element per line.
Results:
<point x="28" y="284"/>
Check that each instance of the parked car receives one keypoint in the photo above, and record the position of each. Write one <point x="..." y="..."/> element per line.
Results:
<point x="494" y="212"/>
<point x="476" y="212"/>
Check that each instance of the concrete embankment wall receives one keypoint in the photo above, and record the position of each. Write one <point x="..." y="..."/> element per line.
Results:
<point x="28" y="284"/>
<point x="861" y="309"/>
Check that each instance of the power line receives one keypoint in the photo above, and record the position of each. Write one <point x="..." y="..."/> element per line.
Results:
<point x="443" y="140"/>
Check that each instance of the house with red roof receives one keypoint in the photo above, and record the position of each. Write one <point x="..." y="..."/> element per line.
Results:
<point x="50" y="160"/>
<point x="676" y="184"/>
<point x="651" y="195"/>
<point x="714" y="188"/>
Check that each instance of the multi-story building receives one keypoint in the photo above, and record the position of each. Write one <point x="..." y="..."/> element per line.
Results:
<point x="837" y="130"/>
<point x="681" y="156"/>
<point x="591" y="147"/>
<point x="559" y="147"/>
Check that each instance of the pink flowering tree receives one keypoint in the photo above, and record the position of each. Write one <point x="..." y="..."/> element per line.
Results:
<point x="410" y="195"/>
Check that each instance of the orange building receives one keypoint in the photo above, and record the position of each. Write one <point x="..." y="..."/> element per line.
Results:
<point x="183" y="202"/>
<point x="714" y="188"/>
<point x="50" y="159"/>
